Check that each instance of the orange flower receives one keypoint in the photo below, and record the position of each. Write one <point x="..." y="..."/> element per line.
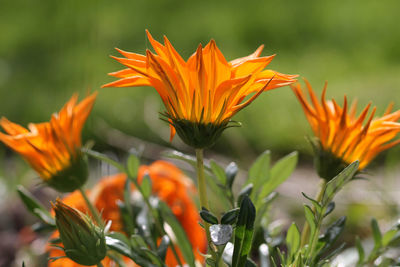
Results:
<point x="343" y="135"/>
<point x="169" y="184"/>
<point x="53" y="148"/>
<point x="204" y="92"/>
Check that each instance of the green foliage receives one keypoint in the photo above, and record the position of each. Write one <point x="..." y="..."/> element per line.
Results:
<point x="382" y="242"/>
<point x="207" y="216"/>
<point x="34" y="206"/>
<point x="181" y="237"/>
<point x="243" y="232"/>
<point x="293" y="240"/>
<point x="316" y="249"/>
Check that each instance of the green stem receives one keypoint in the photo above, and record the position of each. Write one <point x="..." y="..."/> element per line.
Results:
<point x="201" y="184"/>
<point x="100" y="264"/>
<point x="305" y="233"/>
<point x="92" y="209"/>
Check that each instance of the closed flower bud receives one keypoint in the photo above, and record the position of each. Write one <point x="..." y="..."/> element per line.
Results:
<point x="83" y="241"/>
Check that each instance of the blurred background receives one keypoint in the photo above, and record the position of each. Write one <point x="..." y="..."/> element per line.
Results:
<point x="50" y="49"/>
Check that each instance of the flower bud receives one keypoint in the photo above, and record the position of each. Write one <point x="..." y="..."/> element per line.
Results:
<point x="83" y="241"/>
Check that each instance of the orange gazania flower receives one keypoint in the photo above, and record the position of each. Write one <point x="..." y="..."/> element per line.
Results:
<point x="169" y="184"/>
<point x="344" y="135"/>
<point x="203" y="93"/>
<point x="53" y="148"/>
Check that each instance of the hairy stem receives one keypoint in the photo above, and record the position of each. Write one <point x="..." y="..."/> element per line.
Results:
<point x="305" y="233"/>
<point x="201" y="184"/>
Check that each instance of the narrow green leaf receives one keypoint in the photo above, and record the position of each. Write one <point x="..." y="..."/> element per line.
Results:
<point x="329" y="208"/>
<point x="293" y="240"/>
<point x="230" y="217"/>
<point x="132" y="165"/>
<point x="245" y="191"/>
<point x="360" y="250"/>
<point x="34" y="206"/>
<point x="146" y="186"/>
<point x="210" y="262"/>
<point x="259" y="170"/>
<point x="337" y="183"/>
<point x="388" y="237"/>
<point x="208" y="217"/>
<point x="218" y="171"/>
<point x="152" y="256"/>
<point x="250" y="263"/>
<point x="183" y="157"/>
<point x="118" y="245"/>
<point x="163" y="247"/>
<point x="243" y="232"/>
<point x="315" y="203"/>
<point x="376" y="233"/>
<point x="181" y="237"/>
<point x="105" y="158"/>
<point x="310" y="219"/>
<point x="279" y="173"/>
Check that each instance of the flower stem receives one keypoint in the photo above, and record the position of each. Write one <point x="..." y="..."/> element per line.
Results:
<point x="305" y="233"/>
<point x="201" y="184"/>
<point x="92" y="209"/>
<point x="100" y="264"/>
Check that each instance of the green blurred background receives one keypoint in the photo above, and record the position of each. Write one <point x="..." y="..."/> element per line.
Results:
<point x="50" y="49"/>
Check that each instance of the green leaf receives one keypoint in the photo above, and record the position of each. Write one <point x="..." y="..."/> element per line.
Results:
<point x="138" y="241"/>
<point x="126" y="208"/>
<point x="360" y="250"/>
<point x="259" y="170"/>
<point x="331" y="235"/>
<point x="163" y="247"/>
<point x="337" y="183"/>
<point x="279" y="173"/>
<point x="230" y="172"/>
<point x="388" y="236"/>
<point x="243" y="232"/>
<point x="211" y="262"/>
<point x="146" y="186"/>
<point x="376" y="233"/>
<point x="207" y="216"/>
<point x="230" y="217"/>
<point x="218" y="171"/>
<point x="119" y="245"/>
<point x="105" y="158"/>
<point x="310" y="219"/>
<point x="250" y="263"/>
<point x="315" y="203"/>
<point x="245" y="191"/>
<point x="34" y="206"/>
<point x="181" y="237"/>
<point x="293" y="240"/>
<point x="329" y="208"/>
<point x="183" y="157"/>
<point x="152" y="256"/>
<point x="132" y="165"/>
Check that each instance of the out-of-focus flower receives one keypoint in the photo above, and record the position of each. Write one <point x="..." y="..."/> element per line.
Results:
<point x="83" y="241"/>
<point x="53" y="148"/>
<point x="203" y="93"/>
<point x="343" y="137"/>
<point x="168" y="183"/>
